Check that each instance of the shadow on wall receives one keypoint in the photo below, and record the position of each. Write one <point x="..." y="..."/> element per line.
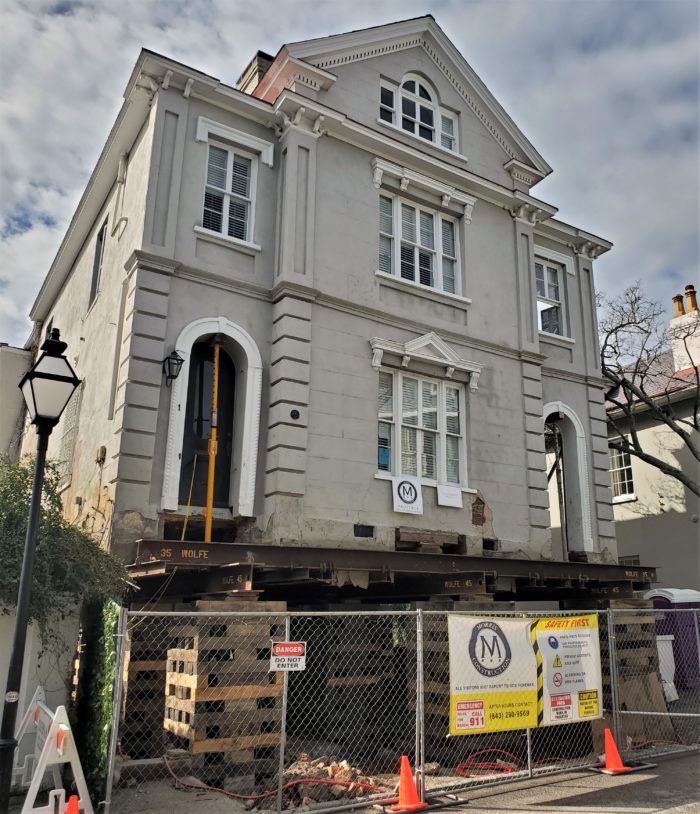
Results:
<point x="668" y="541"/>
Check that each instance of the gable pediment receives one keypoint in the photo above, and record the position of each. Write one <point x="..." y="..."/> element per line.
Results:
<point x="330" y="53"/>
<point x="430" y="349"/>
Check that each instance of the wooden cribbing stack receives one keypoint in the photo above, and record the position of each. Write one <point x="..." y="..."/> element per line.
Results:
<point x="222" y="704"/>
<point x="141" y="731"/>
<point x="359" y="679"/>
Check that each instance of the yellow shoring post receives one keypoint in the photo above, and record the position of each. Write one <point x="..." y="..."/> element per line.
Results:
<point x="212" y="445"/>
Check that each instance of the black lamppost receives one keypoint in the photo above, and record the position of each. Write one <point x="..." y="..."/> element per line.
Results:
<point x="47" y="389"/>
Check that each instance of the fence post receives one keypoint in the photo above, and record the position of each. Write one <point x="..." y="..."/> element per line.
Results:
<point x="612" y="659"/>
<point x="283" y="726"/>
<point x="116" y="706"/>
<point x="697" y="636"/>
<point x="420" y="709"/>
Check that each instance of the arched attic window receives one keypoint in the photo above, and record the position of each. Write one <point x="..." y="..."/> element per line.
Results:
<point x="414" y="107"/>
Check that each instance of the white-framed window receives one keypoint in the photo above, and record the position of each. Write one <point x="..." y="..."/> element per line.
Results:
<point x="229" y="192"/>
<point x="421" y="428"/>
<point x="97" y="262"/>
<point x="549" y="282"/>
<point x="621" y="473"/>
<point x="418" y="244"/>
<point x="413" y="106"/>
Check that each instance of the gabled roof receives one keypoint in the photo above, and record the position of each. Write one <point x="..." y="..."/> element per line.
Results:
<point x="339" y="49"/>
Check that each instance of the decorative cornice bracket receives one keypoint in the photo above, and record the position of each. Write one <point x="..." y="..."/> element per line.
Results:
<point x="430" y="349"/>
<point x="382" y="169"/>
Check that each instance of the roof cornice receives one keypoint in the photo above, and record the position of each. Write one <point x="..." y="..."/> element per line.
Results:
<point x="331" y="122"/>
<point x="424" y="32"/>
<point x="151" y="73"/>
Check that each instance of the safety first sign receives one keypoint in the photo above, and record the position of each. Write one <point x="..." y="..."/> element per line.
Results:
<point x="522" y="673"/>
<point x="288" y="656"/>
<point x="571" y="677"/>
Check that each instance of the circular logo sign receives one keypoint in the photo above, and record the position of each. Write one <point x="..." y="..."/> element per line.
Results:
<point x="407" y="492"/>
<point x="558" y="679"/>
<point x="489" y="650"/>
<point x="553" y="642"/>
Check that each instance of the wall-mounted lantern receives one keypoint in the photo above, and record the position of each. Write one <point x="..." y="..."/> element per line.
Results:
<point x="171" y="367"/>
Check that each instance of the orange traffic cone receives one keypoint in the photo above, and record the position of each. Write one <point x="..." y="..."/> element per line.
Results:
<point x="408" y="794"/>
<point x="72" y="807"/>
<point x="613" y="761"/>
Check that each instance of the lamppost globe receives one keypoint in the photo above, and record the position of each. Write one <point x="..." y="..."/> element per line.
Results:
<point x="50" y="383"/>
<point x="47" y="389"/>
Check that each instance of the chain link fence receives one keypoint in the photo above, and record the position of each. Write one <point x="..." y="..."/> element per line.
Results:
<point x="197" y="704"/>
<point x="657" y="680"/>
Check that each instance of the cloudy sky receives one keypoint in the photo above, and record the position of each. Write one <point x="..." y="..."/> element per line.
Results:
<point x="607" y="90"/>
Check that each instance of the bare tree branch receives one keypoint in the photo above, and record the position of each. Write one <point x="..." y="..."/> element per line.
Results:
<point x="638" y="361"/>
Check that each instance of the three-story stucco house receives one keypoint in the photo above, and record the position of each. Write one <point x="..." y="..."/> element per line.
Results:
<point x="352" y="224"/>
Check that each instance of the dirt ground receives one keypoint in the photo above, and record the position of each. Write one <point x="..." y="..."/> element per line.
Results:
<point x="672" y="787"/>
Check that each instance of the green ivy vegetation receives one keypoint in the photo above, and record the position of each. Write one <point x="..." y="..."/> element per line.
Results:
<point x="72" y="576"/>
<point x="94" y="708"/>
<point x="70" y="568"/>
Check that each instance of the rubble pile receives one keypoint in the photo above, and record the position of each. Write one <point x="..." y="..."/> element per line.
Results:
<point x="349" y="783"/>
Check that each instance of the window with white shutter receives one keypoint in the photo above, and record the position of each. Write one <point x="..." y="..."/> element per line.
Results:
<point x="229" y="192"/>
<point x="417" y="244"/>
<point x="429" y="415"/>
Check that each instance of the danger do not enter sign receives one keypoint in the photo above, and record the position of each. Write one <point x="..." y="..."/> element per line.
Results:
<point x="288" y="656"/>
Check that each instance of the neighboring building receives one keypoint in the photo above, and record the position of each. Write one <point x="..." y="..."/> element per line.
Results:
<point x="14" y="363"/>
<point x="353" y="223"/>
<point x="656" y="516"/>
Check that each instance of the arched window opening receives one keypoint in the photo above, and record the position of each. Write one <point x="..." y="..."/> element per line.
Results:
<point x="197" y="429"/>
<point x="567" y="482"/>
<point x="413" y="106"/>
<point x="417" y="110"/>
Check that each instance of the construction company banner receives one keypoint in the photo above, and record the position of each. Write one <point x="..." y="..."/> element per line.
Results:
<point x="572" y="681"/>
<point x="522" y="673"/>
<point x="493" y="675"/>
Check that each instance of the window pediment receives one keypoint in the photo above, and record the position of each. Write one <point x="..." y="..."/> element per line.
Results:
<point x="429" y="348"/>
<point x="406" y="178"/>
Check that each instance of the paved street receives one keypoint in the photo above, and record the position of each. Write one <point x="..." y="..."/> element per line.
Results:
<point x="673" y="787"/>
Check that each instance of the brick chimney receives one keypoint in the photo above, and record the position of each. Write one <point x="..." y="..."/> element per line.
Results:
<point x="685" y="330"/>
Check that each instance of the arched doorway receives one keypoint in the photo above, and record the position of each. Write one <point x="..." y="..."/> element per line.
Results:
<point x="567" y="474"/>
<point x="245" y="374"/>
<point x="197" y="430"/>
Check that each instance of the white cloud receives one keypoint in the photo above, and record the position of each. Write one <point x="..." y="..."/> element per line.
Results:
<point x="607" y="91"/>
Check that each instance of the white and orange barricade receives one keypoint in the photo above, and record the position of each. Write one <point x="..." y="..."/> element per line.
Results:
<point x="34" y="725"/>
<point x="54" y="746"/>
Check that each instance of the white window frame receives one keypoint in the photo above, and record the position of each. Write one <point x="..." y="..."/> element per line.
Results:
<point x="441" y="433"/>
<point x="440" y="113"/>
<point x="98" y="262"/>
<point x="565" y="268"/>
<point x="247" y="145"/>
<point x="397" y="239"/>
<point x="617" y="463"/>
<point x="232" y="153"/>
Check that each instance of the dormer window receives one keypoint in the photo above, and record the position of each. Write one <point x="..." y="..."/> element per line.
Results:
<point x="414" y="107"/>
